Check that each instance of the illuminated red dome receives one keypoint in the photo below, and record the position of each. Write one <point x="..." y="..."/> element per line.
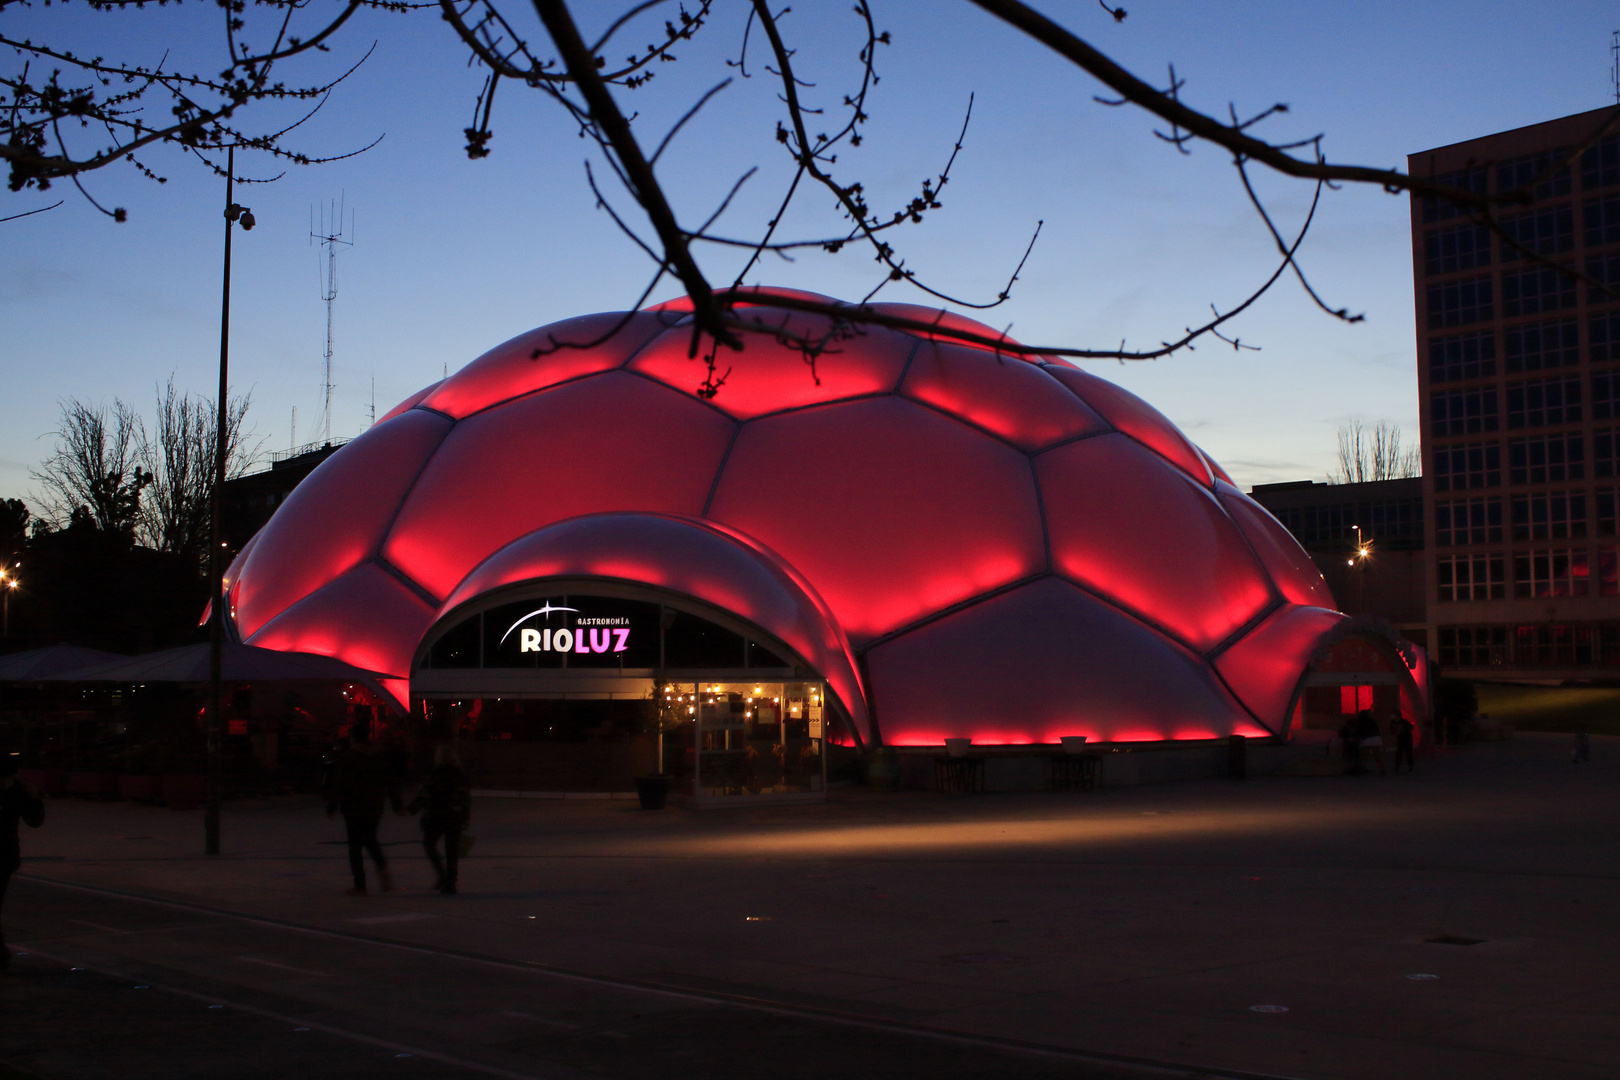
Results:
<point x="966" y="543"/>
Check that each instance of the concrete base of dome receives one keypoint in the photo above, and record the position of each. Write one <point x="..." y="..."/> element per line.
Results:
<point x="1029" y="768"/>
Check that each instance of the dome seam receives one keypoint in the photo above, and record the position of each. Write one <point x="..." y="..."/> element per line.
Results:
<point x="403" y="578"/>
<point x="725" y="456"/>
<point x="868" y="395"/>
<point x="689" y="395"/>
<point x="1277" y="604"/>
<point x="405" y="496"/>
<point x="905" y="368"/>
<point x="482" y="409"/>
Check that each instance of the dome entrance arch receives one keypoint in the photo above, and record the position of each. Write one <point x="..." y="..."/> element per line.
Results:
<point x="582" y="684"/>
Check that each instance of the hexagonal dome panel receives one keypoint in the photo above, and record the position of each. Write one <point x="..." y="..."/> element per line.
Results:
<point x="891" y="510"/>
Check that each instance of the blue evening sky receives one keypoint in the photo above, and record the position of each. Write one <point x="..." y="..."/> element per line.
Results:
<point x="453" y="256"/>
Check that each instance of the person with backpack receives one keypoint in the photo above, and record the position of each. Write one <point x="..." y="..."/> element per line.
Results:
<point x="446" y="805"/>
<point x="19" y="804"/>
<point x="360" y="782"/>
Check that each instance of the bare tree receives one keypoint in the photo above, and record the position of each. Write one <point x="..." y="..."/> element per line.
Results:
<point x="179" y="457"/>
<point x="64" y="113"/>
<point x="94" y="474"/>
<point x="580" y="78"/>
<point x="1374" y="453"/>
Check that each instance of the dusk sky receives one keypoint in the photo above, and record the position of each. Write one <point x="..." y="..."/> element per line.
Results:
<point x="453" y="256"/>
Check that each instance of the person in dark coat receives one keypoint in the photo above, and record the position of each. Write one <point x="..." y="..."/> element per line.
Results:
<point x="446" y="805"/>
<point x="360" y="782"/>
<point x="18" y="803"/>
<point x="1403" y="741"/>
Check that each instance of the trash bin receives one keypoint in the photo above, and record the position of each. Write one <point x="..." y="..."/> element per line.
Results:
<point x="653" y="791"/>
<point x="1237" y="757"/>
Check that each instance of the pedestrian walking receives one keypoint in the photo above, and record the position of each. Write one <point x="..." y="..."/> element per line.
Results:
<point x="360" y="783"/>
<point x="18" y="803"/>
<point x="1404" y="729"/>
<point x="1350" y="747"/>
<point x="445" y="802"/>
<point x="1371" y="736"/>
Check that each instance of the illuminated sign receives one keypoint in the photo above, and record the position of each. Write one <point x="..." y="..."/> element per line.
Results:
<point x="589" y="634"/>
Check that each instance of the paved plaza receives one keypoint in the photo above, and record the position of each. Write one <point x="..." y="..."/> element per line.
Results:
<point x="1457" y="922"/>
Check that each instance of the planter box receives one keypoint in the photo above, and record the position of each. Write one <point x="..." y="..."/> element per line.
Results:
<point x="140" y="788"/>
<point x="184" y="791"/>
<point x="93" y="785"/>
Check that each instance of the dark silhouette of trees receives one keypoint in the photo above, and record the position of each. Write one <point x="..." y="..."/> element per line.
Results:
<point x="1374" y="453"/>
<point x="65" y="113"/>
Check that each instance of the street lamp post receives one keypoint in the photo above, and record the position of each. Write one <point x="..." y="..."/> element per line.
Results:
<point x="8" y="583"/>
<point x="1359" y="562"/>
<point x="234" y="214"/>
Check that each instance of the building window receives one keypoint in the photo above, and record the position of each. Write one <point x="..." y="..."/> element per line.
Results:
<point x="1549" y="515"/>
<point x="1473" y="646"/>
<point x="1392" y="523"/>
<point x="1535" y="346"/>
<point x="1605" y="395"/>
<point x="1438" y="209"/>
<point x="1554" y="573"/>
<point x="1459" y="303"/>
<point x="1608" y="584"/>
<point x="1549" y="231"/>
<point x="1538" y="169"/>
<point x="1534" y="290"/>
<point x="1543" y="402"/>
<point x="1460" y="247"/>
<point x="1603" y="447"/>
<point x="1600" y="166"/>
<point x="1467" y="465"/>
<point x="1605" y="271"/>
<point x="1463" y="412"/>
<point x="1603" y="338"/>
<point x="1467" y="521"/>
<point x="1470" y="577"/>
<point x="1602" y="220"/>
<point x="1547" y="646"/>
<point x="1606" y="505"/>
<point x="1462" y="356"/>
<point x="1542" y="459"/>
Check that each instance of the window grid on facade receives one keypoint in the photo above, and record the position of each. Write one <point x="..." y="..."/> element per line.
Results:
<point x="1459" y="303"/>
<point x="1467" y="465"/>
<point x="1462" y="356"/>
<point x="1463" y="412"/>
<point x="1391" y="523"/>
<point x="1608" y="582"/>
<point x="1534" y="290"/>
<point x="1547" y="646"/>
<point x="1467" y="521"/>
<point x="1534" y="346"/>
<point x="1471" y="577"/>
<point x="1603" y="338"/>
<point x="1606" y="504"/>
<point x="1547" y="231"/>
<point x="1558" y="645"/>
<point x="1600" y="165"/>
<point x="1601" y="219"/>
<point x="1604" y="270"/>
<point x="1540" y="402"/>
<point x="1473" y="646"/>
<point x="1550" y="573"/>
<point x="1459" y="247"/>
<point x="1549" y="515"/>
<point x="1603" y="447"/>
<point x="1605" y="395"/>
<point x="1438" y="209"/>
<point x="1536" y="168"/>
<point x="1543" y="459"/>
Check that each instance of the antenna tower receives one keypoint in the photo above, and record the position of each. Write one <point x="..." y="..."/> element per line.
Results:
<point x="332" y="236"/>
<point x="1614" y="63"/>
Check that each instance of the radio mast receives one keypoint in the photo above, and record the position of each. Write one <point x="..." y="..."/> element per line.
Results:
<point x="331" y="236"/>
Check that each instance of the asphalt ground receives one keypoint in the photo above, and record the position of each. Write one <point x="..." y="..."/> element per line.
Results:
<point x="1122" y="933"/>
